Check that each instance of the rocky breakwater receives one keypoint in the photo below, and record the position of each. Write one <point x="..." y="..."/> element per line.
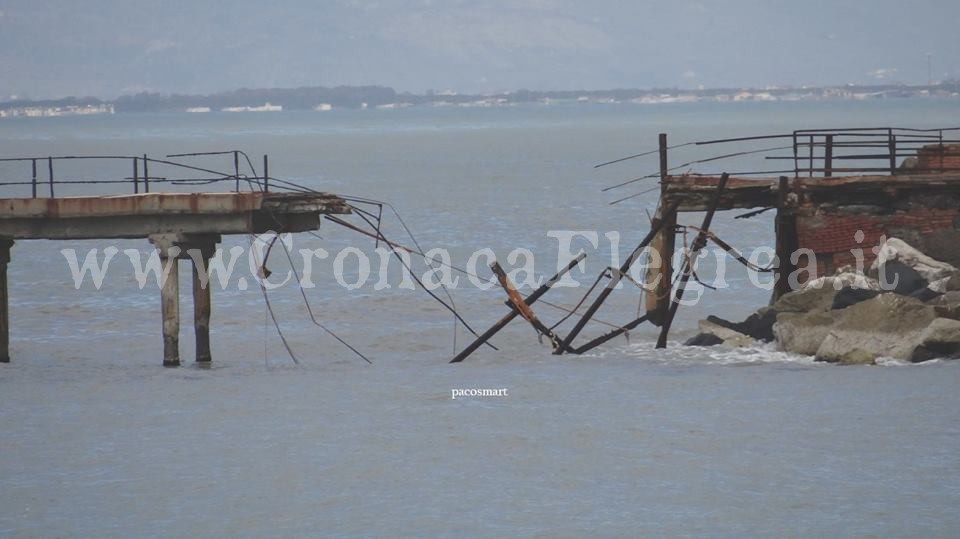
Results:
<point x="905" y="307"/>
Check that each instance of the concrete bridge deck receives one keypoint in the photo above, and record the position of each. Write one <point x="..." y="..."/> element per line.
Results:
<point x="181" y="226"/>
<point x="147" y="214"/>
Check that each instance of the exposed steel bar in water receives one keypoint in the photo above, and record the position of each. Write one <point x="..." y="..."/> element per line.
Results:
<point x="531" y="299"/>
<point x="611" y="335"/>
<point x="624" y="268"/>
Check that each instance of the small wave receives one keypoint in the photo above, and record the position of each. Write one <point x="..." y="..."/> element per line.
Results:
<point x="716" y="355"/>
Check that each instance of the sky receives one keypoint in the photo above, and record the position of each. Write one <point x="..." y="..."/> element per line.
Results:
<point x="104" y="48"/>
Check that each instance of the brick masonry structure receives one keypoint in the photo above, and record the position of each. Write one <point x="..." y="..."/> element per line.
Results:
<point x="832" y="233"/>
<point x="926" y="219"/>
<point x="938" y="158"/>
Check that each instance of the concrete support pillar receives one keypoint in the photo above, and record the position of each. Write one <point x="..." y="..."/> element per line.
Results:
<point x="5" y="245"/>
<point x="169" y="298"/>
<point x="200" y="251"/>
<point x="199" y="248"/>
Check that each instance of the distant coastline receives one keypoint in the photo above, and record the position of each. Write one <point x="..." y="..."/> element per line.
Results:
<point x="361" y="97"/>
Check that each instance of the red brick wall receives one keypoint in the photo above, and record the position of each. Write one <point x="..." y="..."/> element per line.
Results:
<point x="832" y="236"/>
<point x="933" y="158"/>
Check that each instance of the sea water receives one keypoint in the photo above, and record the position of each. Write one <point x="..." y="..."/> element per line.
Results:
<point x="96" y="439"/>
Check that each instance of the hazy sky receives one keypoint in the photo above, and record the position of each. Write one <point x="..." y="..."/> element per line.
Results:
<point x="53" y="48"/>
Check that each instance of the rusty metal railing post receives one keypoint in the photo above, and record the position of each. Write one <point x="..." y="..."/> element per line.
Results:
<point x="828" y="156"/>
<point x="146" y="175"/>
<point x="236" y="168"/>
<point x="136" y="176"/>
<point x="266" y="174"/>
<point x="892" y="143"/>
<point x="810" y="158"/>
<point x="33" y="182"/>
<point x="50" y="174"/>
<point x="940" y="147"/>
<point x="796" y="157"/>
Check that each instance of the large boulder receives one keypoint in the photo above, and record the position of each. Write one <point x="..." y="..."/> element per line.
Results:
<point x="952" y="283"/>
<point x="888" y="325"/>
<point x="803" y="333"/>
<point x="925" y="294"/>
<point x="758" y="325"/>
<point x="819" y="294"/>
<point x="848" y="278"/>
<point x="712" y="334"/>
<point x="895" y="249"/>
<point x="847" y="297"/>
<point x="895" y="276"/>
<point x="703" y="339"/>
<point x="947" y="305"/>
<point x="941" y="339"/>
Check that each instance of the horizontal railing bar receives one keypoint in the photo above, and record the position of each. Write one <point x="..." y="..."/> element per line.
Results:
<point x="835" y="157"/>
<point x="884" y="169"/>
<point x="929" y="130"/>
<point x="883" y="144"/>
<point x="741" y="139"/>
<point x="748" y="173"/>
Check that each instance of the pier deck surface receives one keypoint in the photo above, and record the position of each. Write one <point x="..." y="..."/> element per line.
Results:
<point x="143" y="215"/>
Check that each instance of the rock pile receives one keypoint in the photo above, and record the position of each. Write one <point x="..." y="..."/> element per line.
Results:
<point x="906" y="307"/>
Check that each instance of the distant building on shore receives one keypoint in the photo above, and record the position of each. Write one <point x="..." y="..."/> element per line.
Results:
<point x="43" y="112"/>
<point x="266" y="107"/>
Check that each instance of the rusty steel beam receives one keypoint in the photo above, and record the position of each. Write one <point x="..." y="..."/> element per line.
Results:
<point x="611" y="335"/>
<point x="517" y="303"/>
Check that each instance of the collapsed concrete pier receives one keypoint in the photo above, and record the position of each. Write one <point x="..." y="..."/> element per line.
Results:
<point x="181" y="226"/>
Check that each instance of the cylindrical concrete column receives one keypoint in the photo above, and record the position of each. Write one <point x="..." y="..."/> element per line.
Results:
<point x="201" y="310"/>
<point x="169" y="297"/>
<point x="5" y="245"/>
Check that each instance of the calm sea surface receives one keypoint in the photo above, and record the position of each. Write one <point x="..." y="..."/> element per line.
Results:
<point x="96" y="439"/>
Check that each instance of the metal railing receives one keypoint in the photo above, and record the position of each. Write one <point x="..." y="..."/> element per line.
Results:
<point x="44" y="178"/>
<point x="823" y="152"/>
<point x="809" y="152"/>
